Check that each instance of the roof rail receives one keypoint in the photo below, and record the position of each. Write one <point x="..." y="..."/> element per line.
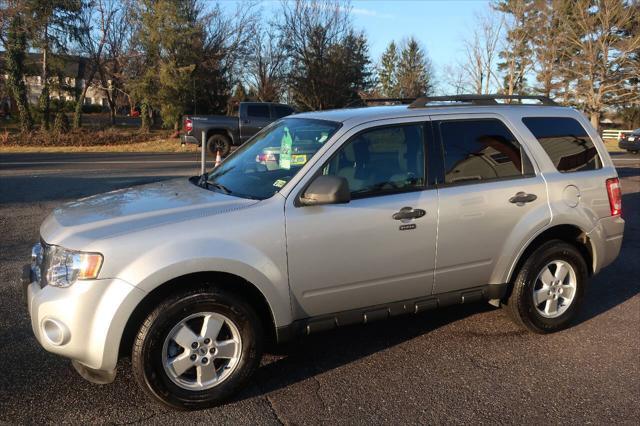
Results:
<point x="423" y="102"/>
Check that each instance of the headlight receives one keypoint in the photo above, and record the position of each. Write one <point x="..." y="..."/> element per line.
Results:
<point x="65" y="267"/>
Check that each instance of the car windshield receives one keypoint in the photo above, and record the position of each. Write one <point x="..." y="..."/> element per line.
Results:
<point x="265" y="164"/>
<point x="636" y="132"/>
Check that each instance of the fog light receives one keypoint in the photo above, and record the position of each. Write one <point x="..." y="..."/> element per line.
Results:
<point x="55" y="332"/>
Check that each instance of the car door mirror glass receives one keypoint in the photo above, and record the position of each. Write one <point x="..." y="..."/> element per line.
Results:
<point x="326" y="190"/>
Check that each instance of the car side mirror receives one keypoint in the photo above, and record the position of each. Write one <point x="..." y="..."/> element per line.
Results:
<point x="326" y="190"/>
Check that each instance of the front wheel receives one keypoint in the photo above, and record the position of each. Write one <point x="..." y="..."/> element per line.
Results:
<point x="197" y="348"/>
<point x="549" y="288"/>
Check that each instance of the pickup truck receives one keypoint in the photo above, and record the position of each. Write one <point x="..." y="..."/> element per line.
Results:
<point x="223" y="132"/>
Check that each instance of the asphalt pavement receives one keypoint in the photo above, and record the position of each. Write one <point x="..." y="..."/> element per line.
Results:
<point x="464" y="364"/>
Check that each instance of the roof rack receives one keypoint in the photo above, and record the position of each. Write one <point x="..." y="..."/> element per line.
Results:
<point x="396" y="101"/>
<point x="461" y="100"/>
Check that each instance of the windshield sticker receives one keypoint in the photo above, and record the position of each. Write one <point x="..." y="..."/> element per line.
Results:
<point x="279" y="183"/>
<point x="323" y="137"/>
<point x="285" y="150"/>
<point x="298" y="159"/>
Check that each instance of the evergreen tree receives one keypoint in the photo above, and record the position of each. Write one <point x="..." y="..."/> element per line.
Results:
<point x="16" y="53"/>
<point x="387" y="71"/>
<point x="517" y="55"/>
<point x="415" y="74"/>
<point x="169" y="35"/>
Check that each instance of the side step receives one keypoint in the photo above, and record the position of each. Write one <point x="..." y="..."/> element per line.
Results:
<point x="381" y="312"/>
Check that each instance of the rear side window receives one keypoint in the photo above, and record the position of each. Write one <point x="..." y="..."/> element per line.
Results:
<point x="258" y="111"/>
<point x="566" y="142"/>
<point x="481" y="150"/>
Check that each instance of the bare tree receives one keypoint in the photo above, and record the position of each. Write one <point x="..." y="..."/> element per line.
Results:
<point x="118" y="54"/>
<point x="266" y="65"/>
<point x="328" y="60"/>
<point x="96" y="24"/>
<point x="481" y="53"/>
<point x="455" y="78"/>
<point x="603" y="64"/>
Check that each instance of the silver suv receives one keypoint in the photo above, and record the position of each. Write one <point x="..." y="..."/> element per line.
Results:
<point x="356" y="215"/>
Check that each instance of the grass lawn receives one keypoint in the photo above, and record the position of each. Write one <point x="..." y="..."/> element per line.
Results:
<point x="159" y="145"/>
<point x="612" y="145"/>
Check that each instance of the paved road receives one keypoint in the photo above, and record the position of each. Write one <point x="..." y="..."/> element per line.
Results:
<point x="462" y="364"/>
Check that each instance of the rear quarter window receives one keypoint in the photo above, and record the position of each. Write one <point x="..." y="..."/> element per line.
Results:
<point x="258" y="111"/>
<point x="566" y="143"/>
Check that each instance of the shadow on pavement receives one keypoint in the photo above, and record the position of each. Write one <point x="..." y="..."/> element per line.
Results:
<point x="305" y="359"/>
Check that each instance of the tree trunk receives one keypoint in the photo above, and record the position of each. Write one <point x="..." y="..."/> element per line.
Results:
<point x="145" y="121"/>
<point x="112" y="111"/>
<point x="595" y="119"/>
<point x="45" y="99"/>
<point x="77" y="115"/>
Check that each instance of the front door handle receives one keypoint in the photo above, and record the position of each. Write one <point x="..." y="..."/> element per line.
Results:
<point x="406" y="213"/>
<point x="522" y="197"/>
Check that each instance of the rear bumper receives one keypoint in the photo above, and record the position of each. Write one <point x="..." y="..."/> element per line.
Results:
<point x="189" y="139"/>
<point x="606" y="239"/>
<point x="630" y="145"/>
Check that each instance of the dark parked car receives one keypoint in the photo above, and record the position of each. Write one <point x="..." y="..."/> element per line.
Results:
<point x="630" y="141"/>
<point x="223" y="132"/>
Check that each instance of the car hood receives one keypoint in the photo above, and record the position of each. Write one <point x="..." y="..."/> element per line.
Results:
<point x="133" y="209"/>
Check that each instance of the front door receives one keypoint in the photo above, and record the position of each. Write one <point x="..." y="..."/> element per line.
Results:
<point x="358" y="254"/>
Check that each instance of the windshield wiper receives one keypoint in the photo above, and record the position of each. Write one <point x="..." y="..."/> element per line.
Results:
<point x="202" y="180"/>
<point x="219" y="186"/>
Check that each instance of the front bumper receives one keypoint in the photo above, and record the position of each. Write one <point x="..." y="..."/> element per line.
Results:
<point x="83" y="322"/>
<point x="606" y="238"/>
<point x="630" y="145"/>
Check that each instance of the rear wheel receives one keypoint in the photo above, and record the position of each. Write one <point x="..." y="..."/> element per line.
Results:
<point x="197" y="348"/>
<point x="219" y="143"/>
<point x="549" y="288"/>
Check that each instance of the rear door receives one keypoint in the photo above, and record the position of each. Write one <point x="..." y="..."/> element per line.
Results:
<point x="255" y="117"/>
<point x="356" y="255"/>
<point x="491" y="199"/>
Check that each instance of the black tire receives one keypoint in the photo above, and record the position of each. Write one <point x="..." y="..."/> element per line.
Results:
<point x="146" y="356"/>
<point x="520" y="303"/>
<point x="220" y="143"/>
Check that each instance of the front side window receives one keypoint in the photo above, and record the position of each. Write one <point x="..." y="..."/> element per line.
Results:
<point x="382" y="160"/>
<point x="566" y="143"/>
<point x="261" y="167"/>
<point x="480" y="150"/>
<point x="258" y="111"/>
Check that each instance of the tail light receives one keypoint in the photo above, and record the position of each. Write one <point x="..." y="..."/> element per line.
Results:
<point x="615" y="196"/>
<point x="188" y="125"/>
<point x="262" y="158"/>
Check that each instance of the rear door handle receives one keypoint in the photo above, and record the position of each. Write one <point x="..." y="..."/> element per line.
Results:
<point x="522" y="197"/>
<point x="406" y="213"/>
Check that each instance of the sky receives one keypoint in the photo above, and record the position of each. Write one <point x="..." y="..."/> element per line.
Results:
<point x="440" y="25"/>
